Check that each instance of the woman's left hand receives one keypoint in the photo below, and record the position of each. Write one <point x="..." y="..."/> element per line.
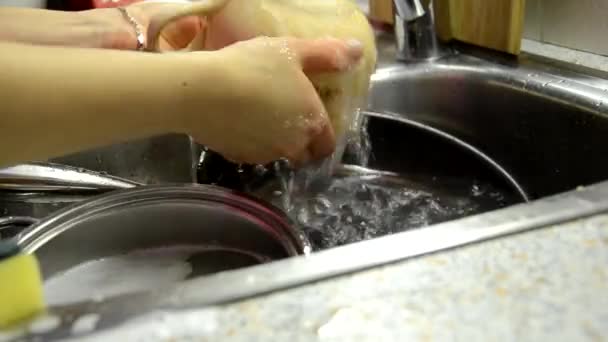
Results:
<point x="175" y="36"/>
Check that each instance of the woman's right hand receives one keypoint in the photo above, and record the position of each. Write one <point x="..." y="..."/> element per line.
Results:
<point x="262" y="106"/>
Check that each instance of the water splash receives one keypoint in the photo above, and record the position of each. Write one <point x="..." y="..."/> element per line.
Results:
<point x="337" y="204"/>
<point x="363" y="206"/>
<point x="316" y="177"/>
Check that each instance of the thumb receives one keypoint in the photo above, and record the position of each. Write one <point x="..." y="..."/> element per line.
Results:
<point x="327" y="54"/>
<point x="174" y="10"/>
<point x="176" y="33"/>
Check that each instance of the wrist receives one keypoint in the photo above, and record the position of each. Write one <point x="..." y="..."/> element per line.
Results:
<point x="204" y="90"/>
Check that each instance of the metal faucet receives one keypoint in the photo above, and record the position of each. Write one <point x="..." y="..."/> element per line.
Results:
<point x="415" y="31"/>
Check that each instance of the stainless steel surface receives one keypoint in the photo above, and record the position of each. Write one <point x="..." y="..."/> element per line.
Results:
<point x="36" y="190"/>
<point x="37" y="204"/>
<point x="61" y="178"/>
<point x="161" y="216"/>
<point x="545" y="122"/>
<point x="439" y="154"/>
<point x="163" y="159"/>
<point x="415" y="31"/>
<point x="410" y="9"/>
<point x="10" y="226"/>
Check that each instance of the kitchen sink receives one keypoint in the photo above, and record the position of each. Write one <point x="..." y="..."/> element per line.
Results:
<point x="531" y="127"/>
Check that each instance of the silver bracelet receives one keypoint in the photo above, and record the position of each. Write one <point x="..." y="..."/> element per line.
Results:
<point x="141" y="39"/>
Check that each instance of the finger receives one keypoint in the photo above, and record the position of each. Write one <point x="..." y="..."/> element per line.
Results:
<point x="302" y="158"/>
<point x="327" y="54"/>
<point x="323" y="144"/>
<point x="322" y="138"/>
<point x="181" y="32"/>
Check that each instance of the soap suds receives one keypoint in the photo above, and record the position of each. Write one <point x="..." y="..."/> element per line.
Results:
<point x="85" y="324"/>
<point x="143" y="270"/>
<point x="116" y="275"/>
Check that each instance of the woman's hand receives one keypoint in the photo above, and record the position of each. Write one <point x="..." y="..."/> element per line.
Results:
<point x="250" y="101"/>
<point x="97" y="28"/>
<point x="175" y="36"/>
<point x="263" y="106"/>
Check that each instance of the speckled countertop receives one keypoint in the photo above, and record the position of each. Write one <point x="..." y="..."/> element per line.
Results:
<point x="550" y="284"/>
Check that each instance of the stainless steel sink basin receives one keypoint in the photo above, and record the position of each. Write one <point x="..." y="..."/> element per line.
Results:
<point x="544" y="125"/>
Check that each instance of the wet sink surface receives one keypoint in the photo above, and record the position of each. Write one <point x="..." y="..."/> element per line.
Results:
<point x="543" y="126"/>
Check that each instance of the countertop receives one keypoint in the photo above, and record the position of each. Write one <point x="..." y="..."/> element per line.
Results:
<point x="548" y="284"/>
<point x="582" y="58"/>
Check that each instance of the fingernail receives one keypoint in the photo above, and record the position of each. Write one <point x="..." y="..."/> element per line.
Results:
<point x="354" y="44"/>
<point x="355" y="49"/>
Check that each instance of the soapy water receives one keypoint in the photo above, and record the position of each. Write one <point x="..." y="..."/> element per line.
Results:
<point x="141" y="270"/>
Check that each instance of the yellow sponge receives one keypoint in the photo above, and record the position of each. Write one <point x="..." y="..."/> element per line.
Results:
<point x="21" y="294"/>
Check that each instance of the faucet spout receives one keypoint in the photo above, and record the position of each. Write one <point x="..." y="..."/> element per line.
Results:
<point x="415" y="31"/>
<point x="409" y="9"/>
